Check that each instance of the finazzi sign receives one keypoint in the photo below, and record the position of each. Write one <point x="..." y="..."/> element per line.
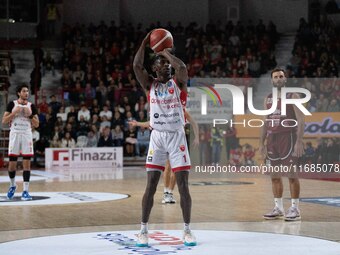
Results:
<point x="84" y="157"/>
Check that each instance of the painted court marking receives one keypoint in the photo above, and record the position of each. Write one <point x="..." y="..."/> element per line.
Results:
<point x="169" y="242"/>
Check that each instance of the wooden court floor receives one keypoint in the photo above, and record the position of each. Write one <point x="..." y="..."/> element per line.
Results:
<point x="229" y="202"/>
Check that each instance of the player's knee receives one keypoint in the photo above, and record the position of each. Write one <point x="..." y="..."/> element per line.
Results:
<point x="293" y="180"/>
<point x="276" y="180"/>
<point x="13" y="158"/>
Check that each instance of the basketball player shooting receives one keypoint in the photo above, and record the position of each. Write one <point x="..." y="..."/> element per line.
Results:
<point x="283" y="147"/>
<point x="167" y="141"/>
<point x="21" y="115"/>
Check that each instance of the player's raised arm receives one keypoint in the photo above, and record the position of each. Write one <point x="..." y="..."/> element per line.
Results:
<point x="181" y="72"/>
<point x="142" y="75"/>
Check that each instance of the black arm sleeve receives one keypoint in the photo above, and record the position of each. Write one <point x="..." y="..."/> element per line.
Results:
<point x="10" y="106"/>
<point x="34" y="109"/>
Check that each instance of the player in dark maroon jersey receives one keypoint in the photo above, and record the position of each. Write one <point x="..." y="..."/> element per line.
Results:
<point x="283" y="147"/>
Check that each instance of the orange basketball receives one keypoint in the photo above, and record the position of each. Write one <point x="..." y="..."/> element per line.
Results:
<point x="161" y="39"/>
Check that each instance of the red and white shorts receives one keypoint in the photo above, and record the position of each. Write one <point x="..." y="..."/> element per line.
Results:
<point x="20" y="144"/>
<point x="168" y="145"/>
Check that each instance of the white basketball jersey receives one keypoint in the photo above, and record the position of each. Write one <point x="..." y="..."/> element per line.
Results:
<point x="167" y="103"/>
<point x="21" y="123"/>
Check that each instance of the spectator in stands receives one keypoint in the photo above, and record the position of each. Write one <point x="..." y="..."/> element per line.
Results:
<point x="82" y="127"/>
<point x="309" y="153"/>
<point x="61" y="114"/>
<point x="248" y="155"/>
<point x="322" y="103"/>
<point x="67" y="141"/>
<point x="54" y="104"/>
<point x="141" y="105"/>
<point x="130" y="140"/>
<point x="84" y="112"/>
<point x="78" y="74"/>
<point x="39" y="151"/>
<point x="117" y="120"/>
<point x="90" y="94"/>
<point x="55" y="143"/>
<point x="332" y="151"/>
<point x="141" y="117"/>
<point x="127" y="119"/>
<point x="35" y="135"/>
<point x="3" y="70"/>
<point x="92" y="140"/>
<point x="71" y="112"/>
<point x="105" y="123"/>
<point x="143" y="138"/>
<point x="106" y="112"/>
<point x="216" y="144"/>
<point x="43" y="106"/>
<point x="106" y="139"/>
<point x="117" y="136"/>
<point x="333" y="106"/>
<point x="70" y="128"/>
<point x="48" y="64"/>
<point x="56" y="133"/>
<point x="95" y="121"/>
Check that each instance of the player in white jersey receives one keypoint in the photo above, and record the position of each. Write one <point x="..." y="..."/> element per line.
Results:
<point x="20" y="115"/>
<point x="167" y="141"/>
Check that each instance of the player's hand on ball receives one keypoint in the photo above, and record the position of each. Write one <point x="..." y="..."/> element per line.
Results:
<point x="164" y="52"/>
<point x="27" y="112"/>
<point x="16" y="110"/>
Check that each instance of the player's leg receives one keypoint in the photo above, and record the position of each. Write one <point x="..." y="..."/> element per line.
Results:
<point x="185" y="201"/>
<point x="166" y="182"/>
<point x="26" y="178"/>
<point x="273" y="159"/>
<point x="150" y="190"/>
<point x="287" y="143"/>
<point x="27" y="153"/>
<point x="13" y="153"/>
<point x="169" y="181"/>
<point x="12" y="166"/>
<point x="155" y="162"/>
<point x="172" y="185"/>
<point x="180" y="161"/>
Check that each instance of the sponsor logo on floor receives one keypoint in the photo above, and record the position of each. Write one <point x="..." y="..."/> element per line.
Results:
<point x="330" y="201"/>
<point x="59" y="198"/>
<point x="170" y="242"/>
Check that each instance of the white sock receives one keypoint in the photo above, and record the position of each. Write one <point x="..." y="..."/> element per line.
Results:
<point x="170" y="191"/>
<point x="12" y="180"/>
<point x="165" y="189"/>
<point x="26" y="186"/>
<point x="295" y="202"/>
<point x="279" y="203"/>
<point x="143" y="227"/>
<point x="186" y="227"/>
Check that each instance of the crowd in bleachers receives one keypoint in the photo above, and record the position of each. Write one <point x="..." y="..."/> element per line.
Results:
<point x="315" y="59"/>
<point x="7" y="68"/>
